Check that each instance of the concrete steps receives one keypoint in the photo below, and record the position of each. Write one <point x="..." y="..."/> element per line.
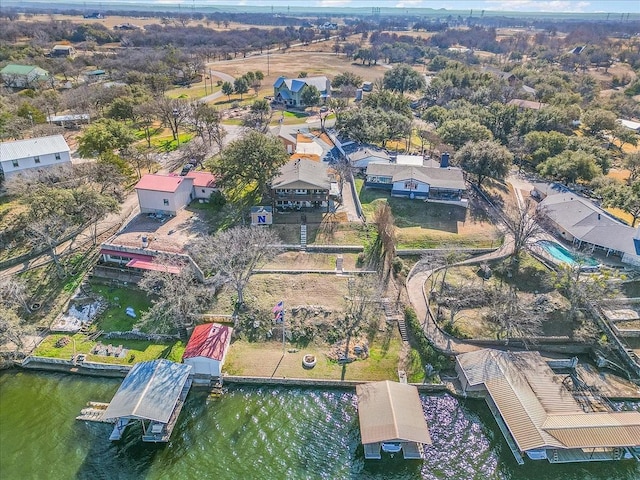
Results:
<point x="303" y="237"/>
<point x="392" y="314"/>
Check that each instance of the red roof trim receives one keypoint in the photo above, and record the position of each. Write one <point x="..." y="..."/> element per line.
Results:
<point x="210" y="340"/>
<point x="158" y="267"/>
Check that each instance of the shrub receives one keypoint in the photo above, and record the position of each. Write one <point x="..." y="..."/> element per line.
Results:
<point x="427" y="353"/>
<point x="398" y="265"/>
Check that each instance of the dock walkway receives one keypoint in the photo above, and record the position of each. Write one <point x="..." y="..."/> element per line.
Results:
<point x="94" y="412"/>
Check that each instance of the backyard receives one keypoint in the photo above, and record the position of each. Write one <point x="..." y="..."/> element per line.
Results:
<point x="463" y="294"/>
<point x="433" y="225"/>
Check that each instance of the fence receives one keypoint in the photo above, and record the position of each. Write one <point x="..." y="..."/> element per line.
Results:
<point x="150" y="337"/>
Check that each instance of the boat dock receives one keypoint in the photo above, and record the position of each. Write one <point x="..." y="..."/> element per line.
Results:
<point x="160" y="432"/>
<point x="94" y="412"/>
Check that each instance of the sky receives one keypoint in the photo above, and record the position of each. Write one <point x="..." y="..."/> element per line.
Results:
<point x="560" y="6"/>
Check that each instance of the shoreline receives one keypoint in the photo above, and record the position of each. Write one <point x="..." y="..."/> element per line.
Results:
<point x="90" y="369"/>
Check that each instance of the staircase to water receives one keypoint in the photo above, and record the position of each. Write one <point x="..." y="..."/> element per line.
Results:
<point x="303" y="237"/>
<point x="392" y="314"/>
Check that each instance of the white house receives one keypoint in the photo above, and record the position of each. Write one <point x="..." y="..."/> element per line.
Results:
<point x="207" y="349"/>
<point x="33" y="154"/>
<point x="445" y="184"/>
<point x="204" y="184"/>
<point x="164" y="194"/>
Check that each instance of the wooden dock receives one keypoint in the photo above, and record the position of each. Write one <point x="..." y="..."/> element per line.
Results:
<point x="94" y="412"/>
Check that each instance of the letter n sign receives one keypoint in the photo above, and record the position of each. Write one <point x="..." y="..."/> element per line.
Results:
<point x="262" y="219"/>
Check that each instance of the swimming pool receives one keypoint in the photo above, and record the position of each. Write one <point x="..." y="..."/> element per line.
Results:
<point x="561" y="254"/>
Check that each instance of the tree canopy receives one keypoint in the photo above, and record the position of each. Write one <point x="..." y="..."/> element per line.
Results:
<point x="570" y="166"/>
<point x="458" y="132"/>
<point x="250" y="163"/>
<point x="484" y="159"/>
<point x="402" y="78"/>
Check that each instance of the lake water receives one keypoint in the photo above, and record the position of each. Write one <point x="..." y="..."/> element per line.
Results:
<point x="250" y="433"/>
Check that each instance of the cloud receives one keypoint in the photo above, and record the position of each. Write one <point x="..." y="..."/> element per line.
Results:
<point x="409" y="4"/>
<point x="333" y="3"/>
<point x="565" y="6"/>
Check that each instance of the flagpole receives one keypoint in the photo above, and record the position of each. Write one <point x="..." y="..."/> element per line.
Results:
<point x="283" y="329"/>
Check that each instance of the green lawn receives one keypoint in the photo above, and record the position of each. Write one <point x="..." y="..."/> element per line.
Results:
<point x="114" y="318"/>
<point x="431" y="225"/>
<point x="138" y="350"/>
<point x="166" y="143"/>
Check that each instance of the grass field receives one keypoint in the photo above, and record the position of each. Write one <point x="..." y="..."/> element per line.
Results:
<point x="114" y="319"/>
<point x="267" y="359"/>
<point x="138" y="350"/>
<point x="431" y="225"/>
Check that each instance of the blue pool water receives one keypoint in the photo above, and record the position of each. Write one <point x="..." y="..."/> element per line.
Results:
<point x="561" y="254"/>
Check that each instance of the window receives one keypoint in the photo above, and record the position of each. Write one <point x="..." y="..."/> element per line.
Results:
<point x="410" y="185"/>
<point x="36" y="159"/>
<point x="57" y="156"/>
<point x="165" y="201"/>
<point x="15" y="163"/>
<point x="203" y="190"/>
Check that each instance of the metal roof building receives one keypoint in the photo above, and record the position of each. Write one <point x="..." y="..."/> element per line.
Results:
<point x="540" y="416"/>
<point x="32" y="147"/>
<point x="391" y="419"/>
<point x="152" y="391"/>
<point x="207" y="349"/>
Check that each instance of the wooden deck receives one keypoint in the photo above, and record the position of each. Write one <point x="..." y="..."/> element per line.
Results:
<point x="94" y="412"/>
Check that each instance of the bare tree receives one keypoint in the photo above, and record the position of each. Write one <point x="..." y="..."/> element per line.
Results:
<point x="235" y="254"/>
<point x="361" y="307"/>
<point x="386" y="239"/>
<point x="178" y="298"/>
<point x="524" y="225"/>
<point x="173" y="113"/>
<point x="12" y="329"/>
<point x="513" y="317"/>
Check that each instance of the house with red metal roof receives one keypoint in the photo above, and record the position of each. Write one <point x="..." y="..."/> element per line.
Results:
<point x="207" y="349"/>
<point x="164" y="194"/>
<point x="204" y="184"/>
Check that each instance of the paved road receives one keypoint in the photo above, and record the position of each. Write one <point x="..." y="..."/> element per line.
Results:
<point x="222" y="76"/>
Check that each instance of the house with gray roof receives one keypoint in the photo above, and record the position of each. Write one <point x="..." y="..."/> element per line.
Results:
<point x="23" y="76"/>
<point x="301" y="184"/>
<point x="579" y="221"/>
<point x="360" y="159"/>
<point x="289" y="90"/>
<point x="444" y="185"/>
<point x="33" y="154"/>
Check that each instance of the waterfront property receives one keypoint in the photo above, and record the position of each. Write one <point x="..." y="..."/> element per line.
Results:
<point x="207" y="350"/>
<point x="153" y="393"/>
<point x="545" y="416"/>
<point x="391" y="420"/>
<point x="585" y="225"/>
<point x="301" y="183"/>
<point x="444" y="184"/>
<point x="33" y="154"/>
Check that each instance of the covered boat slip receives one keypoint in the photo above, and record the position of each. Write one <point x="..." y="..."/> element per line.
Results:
<point x="391" y="419"/>
<point x="153" y="393"/>
<point x="540" y="416"/>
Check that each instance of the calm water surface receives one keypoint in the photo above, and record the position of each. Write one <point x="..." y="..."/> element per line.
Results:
<point x="250" y="433"/>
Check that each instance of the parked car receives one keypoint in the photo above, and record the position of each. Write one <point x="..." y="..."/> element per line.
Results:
<point x="186" y="169"/>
